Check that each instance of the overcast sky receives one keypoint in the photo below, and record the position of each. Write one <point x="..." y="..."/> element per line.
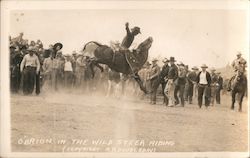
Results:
<point x="192" y="36"/>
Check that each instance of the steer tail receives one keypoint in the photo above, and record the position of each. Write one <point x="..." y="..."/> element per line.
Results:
<point x="98" y="44"/>
<point x="90" y="52"/>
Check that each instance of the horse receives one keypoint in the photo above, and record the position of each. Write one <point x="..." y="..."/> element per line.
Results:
<point x="239" y="87"/>
<point x="119" y="61"/>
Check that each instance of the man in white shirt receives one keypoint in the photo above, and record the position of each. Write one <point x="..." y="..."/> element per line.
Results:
<point x="203" y="81"/>
<point x="49" y="66"/>
<point x="68" y="72"/>
<point x="80" y="70"/>
<point x="30" y="66"/>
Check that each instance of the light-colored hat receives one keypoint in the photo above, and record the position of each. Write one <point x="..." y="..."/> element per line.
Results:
<point x="165" y="60"/>
<point x="154" y="60"/>
<point x="195" y="68"/>
<point x="147" y="63"/>
<point x="116" y="42"/>
<point x="181" y="64"/>
<point x="67" y="55"/>
<point x="239" y="53"/>
<point x="74" y="52"/>
<point x="218" y="73"/>
<point x="31" y="48"/>
<point x="213" y="69"/>
<point x="204" y="66"/>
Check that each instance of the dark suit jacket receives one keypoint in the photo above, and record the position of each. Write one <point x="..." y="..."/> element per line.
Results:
<point x="164" y="72"/>
<point x="220" y="82"/>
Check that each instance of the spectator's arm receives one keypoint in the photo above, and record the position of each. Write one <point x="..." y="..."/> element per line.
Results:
<point x="44" y="66"/>
<point x="198" y="78"/>
<point x="157" y="72"/>
<point x="37" y="64"/>
<point x="23" y="63"/>
<point x="176" y="73"/>
<point x="221" y="83"/>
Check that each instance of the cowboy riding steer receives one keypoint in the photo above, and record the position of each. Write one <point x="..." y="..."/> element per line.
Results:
<point x="123" y="61"/>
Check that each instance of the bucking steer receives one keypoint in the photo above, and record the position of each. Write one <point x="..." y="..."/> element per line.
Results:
<point x="123" y="61"/>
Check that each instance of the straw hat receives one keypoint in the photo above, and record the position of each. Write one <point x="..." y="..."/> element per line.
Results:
<point x="165" y="60"/>
<point x="195" y="68"/>
<point x="204" y="66"/>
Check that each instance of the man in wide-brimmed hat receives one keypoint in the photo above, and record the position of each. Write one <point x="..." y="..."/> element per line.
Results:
<point x="163" y="78"/>
<point x="73" y="60"/>
<point x="30" y="66"/>
<point x="144" y="74"/>
<point x="68" y="72"/>
<point x="203" y="81"/>
<point x="180" y="84"/>
<point x="153" y="78"/>
<point x="191" y="79"/>
<point x="212" y="85"/>
<point x="80" y="70"/>
<point x="16" y="58"/>
<point x="219" y="87"/>
<point x="170" y="86"/>
<point x="129" y="38"/>
<point x="56" y="47"/>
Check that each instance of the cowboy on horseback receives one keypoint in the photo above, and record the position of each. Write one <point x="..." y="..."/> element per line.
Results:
<point x="239" y="65"/>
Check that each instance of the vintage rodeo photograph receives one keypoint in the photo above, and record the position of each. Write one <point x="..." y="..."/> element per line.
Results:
<point x="114" y="78"/>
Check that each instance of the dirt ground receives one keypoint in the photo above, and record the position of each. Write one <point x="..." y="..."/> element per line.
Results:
<point x="75" y="122"/>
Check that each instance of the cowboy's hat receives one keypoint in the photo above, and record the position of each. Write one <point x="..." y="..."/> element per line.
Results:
<point x="67" y="55"/>
<point x="172" y="59"/>
<point x="204" y="66"/>
<point x="147" y="63"/>
<point x="136" y="28"/>
<point x="239" y="53"/>
<point x="58" y="44"/>
<point x="74" y="53"/>
<point x="195" y="68"/>
<point x="12" y="47"/>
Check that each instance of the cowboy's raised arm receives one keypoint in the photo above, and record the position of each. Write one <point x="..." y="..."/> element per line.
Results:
<point x="127" y="28"/>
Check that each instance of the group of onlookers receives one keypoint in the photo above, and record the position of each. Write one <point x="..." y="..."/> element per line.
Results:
<point x="179" y="84"/>
<point x="33" y="66"/>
